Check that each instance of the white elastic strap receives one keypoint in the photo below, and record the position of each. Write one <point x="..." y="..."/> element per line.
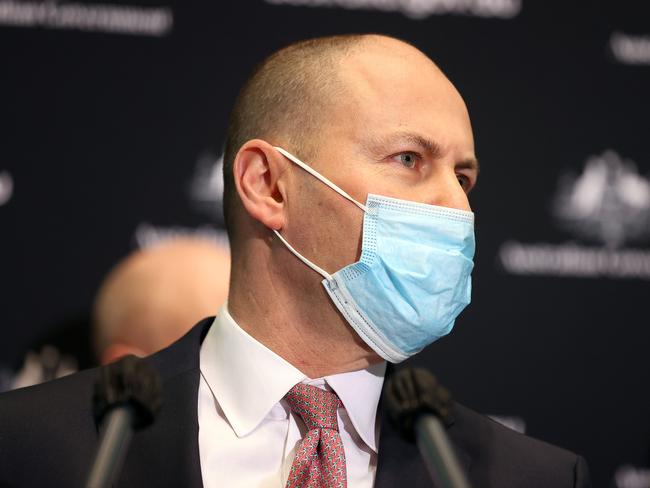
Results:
<point x="319" y="270"/>
<point x="320" y="177"/>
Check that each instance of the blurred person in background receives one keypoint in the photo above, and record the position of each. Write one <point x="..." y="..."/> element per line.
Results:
<point x="155" y="295"/>
<point x="147" y="301"/>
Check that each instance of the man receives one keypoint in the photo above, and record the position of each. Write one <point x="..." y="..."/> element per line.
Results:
<point x="155" y="295"/>
<point x="347" y="168"/>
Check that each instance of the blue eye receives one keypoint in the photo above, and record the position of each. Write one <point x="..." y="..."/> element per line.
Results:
<point x="408" y="160"/>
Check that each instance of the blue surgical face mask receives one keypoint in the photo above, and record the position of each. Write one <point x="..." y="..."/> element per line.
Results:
<point x="413" y="277"/>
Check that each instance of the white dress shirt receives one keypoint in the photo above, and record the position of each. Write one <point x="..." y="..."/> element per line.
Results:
<point x="247" y="432"/>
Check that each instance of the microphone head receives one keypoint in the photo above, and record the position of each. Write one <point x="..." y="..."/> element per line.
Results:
<point x="411" y="392"/>
<point x="128" y="382"/>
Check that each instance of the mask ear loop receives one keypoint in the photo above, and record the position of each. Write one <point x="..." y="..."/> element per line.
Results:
<point x="318" y="269"/>
<point x="334" y="187"/>
<point x="320" y="177"/>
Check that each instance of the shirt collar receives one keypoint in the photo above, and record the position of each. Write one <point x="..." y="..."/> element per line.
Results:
<point x="360" y="392"/>
<point x="245" y="376"/>
<point x="248" y="379"/>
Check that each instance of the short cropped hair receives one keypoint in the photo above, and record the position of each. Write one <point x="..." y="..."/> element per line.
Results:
<point x="285" y="101"/>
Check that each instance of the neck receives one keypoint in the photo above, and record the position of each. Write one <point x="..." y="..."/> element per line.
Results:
<point x="286" y="308"/>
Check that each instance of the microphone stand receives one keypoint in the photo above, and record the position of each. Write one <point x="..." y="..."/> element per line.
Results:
<point x="128" y="396"/>
<point x="416" y="405"/>
<point x="438" y="454"/>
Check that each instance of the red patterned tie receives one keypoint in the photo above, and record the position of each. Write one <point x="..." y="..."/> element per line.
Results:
<point x="320" y="460"/>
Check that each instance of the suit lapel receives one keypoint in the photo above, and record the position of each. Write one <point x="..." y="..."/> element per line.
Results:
<point x="399" y="461"/>
<point x="167" y="453"/>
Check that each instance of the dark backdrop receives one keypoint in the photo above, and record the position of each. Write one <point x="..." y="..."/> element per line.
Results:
<point x="110" y="135"/>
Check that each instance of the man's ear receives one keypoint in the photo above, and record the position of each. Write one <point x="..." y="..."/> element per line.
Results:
<point x="257" y="169"/>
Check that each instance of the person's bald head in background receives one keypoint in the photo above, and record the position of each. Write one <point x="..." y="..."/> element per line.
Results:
<point x="155" y="295"/>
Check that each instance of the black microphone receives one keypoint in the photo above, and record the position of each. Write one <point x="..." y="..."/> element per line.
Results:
<point x="418" y="406"/>
<point x="128" y="395"/>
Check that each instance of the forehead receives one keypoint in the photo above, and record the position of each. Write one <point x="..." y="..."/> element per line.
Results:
<point x="395" y="88"/>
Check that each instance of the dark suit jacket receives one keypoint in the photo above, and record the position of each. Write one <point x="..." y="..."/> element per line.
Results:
<point x="48" y="438"/>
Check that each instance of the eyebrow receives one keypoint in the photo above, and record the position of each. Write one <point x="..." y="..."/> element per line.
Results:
<point x="428" y="145"/>
<point x="471" y="164"/>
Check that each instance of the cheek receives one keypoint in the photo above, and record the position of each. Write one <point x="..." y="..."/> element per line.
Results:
<point x="341" y="243"/>
<point x="326" y="228"/>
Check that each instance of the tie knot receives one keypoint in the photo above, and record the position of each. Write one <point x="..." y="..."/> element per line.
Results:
<point x="316" y="406"/>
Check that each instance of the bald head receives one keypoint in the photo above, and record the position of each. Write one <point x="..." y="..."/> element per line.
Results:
<point x="155" y="295"/>
<point x="291" y="95"/>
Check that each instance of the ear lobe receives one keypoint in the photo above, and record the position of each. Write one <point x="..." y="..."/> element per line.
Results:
<point x="256" y="171"/>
